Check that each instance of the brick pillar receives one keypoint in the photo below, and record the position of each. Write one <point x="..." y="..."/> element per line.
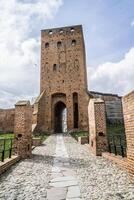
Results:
<point x="97" y="126"/>
<point x="69" y="104"/>
<point x="128" y="111"/>
<point x="23" y="129"/>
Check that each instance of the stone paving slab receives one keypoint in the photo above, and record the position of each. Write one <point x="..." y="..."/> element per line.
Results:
<point x="64" y="176"/>
<point x="73" y="192"/>
<point x="56" y="193"/>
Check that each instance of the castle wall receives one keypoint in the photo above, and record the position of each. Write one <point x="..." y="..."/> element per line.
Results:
<point x="128" y="110"/>
<point x="7" y="120"/>
<point x="113" y="104"/>
<point x="97" y="126"/>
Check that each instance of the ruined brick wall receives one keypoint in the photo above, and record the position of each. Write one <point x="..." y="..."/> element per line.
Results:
<point x="113" y="103"/>
<point x="63" y="74"/>
<point x="97" y="126"/>
<point x="23" y="129"/>
<point x="128" y="109"/>
<point x="7" y="120"/>
<point x="38" y="114"/>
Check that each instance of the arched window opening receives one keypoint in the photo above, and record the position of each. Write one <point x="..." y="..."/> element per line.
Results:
<point x="75" y="110"/>
<point x="72" y="30"/>
<point x="61" y="31"/>
<point x="46" y="45"/>
<point x="50" y="32"/>
<point x="54" y="67"/>
<point x="59" y="44"/>
<point x="60" y="117"/>
<point x="73" y="42"/>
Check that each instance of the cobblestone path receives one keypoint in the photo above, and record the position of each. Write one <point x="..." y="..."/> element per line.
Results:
<point x="63" y="169"/>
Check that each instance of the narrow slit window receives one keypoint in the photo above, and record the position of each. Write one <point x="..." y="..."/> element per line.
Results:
<point x="46" y="45"/>
<point x="59" y="44"/>
<point x="73" y="42"/>
<point x="54" y="67"/>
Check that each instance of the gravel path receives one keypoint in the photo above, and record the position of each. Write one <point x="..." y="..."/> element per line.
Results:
<point x="98" y="178"/>
<point x="28" y="179"/>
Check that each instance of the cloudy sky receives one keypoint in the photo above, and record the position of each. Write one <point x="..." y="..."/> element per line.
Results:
<point x="109" y="37"/>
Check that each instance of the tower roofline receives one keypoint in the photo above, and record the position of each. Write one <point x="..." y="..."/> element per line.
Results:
<point x="63" y="27"/>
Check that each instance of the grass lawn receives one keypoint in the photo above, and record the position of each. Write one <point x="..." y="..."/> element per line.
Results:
<point x="79" y="134"/>
<point x="7" y="143"/>
<point x="118" y="131"/>
<point x="42" y="137"/>
<point x="6" y="135"/>
<point x="115" y="129"/>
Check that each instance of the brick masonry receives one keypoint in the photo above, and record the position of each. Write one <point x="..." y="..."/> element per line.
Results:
<point x="23" y="129"/>
<point x="113" y="104"/>
<point x="128" y="109"/>
<point x="36" y="142"/>
<point x="119" y="160"/>
<point x="97" y="126"/>
<point x="63" y="77"/>
<point x="7" y="120"/>
<point x="4" y="166"/>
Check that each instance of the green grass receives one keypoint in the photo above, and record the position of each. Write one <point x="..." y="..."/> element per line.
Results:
<point x="6" y="135"/>
<point x="79" y="134"/>
<point x="42" y="137"/>
<point x="8" y="143"/>
<point x="118" y="131"/>
<point x="115" y="129"/>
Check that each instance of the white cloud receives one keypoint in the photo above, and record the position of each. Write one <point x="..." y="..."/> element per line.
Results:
<point x="114" y="77"/>
<point x="19" y="47"/>
<point x="132" y="23"/>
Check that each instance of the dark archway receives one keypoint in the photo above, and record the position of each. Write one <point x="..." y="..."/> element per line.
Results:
<point x="60" y="117"/>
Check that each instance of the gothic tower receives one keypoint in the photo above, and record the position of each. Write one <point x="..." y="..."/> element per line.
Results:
<point x="63" y="80"/>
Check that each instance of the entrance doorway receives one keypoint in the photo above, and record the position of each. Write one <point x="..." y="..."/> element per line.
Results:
<point x="60" y="117"/>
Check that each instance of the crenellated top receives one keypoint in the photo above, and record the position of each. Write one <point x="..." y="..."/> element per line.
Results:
<point x="62" y="31"/>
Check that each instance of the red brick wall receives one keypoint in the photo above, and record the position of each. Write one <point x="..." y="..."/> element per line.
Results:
<point x="121" y="162"/>
<point x="128" y="109"/>
<point x="23" y="129"/>
<point x="97" y="126"/>
<point x="7" y="120"/>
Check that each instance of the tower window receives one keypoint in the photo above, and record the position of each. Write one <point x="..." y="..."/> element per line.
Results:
<point x="73" y="42"/>
<point x="72" y="30"/>
<point x="61" y="31"/>
<point x="46" y="45"/>
<point x="54" y="67"/>
<point x="50" y="32"/>
<point x="59" y="44"/>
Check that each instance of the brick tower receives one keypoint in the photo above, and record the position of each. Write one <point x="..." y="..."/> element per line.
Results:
<point x="63" y="84"/>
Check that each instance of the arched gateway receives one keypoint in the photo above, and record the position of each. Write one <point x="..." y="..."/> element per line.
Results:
<point x="63" y="101"/>
<point x="60" y="117"/>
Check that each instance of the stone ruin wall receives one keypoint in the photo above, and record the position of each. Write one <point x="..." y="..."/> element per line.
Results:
<point x="7" y="120"/>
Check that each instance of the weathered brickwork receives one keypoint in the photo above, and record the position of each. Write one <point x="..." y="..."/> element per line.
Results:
<point x="23" y="129"/>
<point x="97" y="126"/>
<point x="119" y="160"/>
<point x="63" y="77"/>
<point x="38" y="114"/>
<point x="7" y="120"/>
<point x="113" y="104"/>
<point x="128" y="109"/>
